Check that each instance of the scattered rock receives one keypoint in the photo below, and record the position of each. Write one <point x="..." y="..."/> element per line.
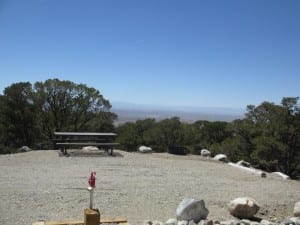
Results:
<point x="243" y="208"/>
<point x="191" y="209"/>
<point x="205" y="153"/>
<point x="157" y="223"/>
<point x="24" y="149"/>
<point x="248" y="169"/>
<point x="282" y="175"/>
<point x="171" y="222"/>
<point x="287" y="222"/>
<point x="145" y="149"/>
<point x="296" y="220"/>
<point x="243" y="163"/>
<point x="182" y="222"/>
<point x="90" y="148"/>
<point x="296" y="212"/>
<point x="266" y="222"/>
<point x="147" y="222"/>
<point x="244" y="222"/>
<point x="254" y="223"/>
<point x="191" y="222"/>
<point x="221" y="157"/>
<point x="228" y="222"/>
<point x="206" y="222"/>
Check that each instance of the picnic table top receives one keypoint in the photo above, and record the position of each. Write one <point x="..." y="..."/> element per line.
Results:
<point x="83" y="134"/>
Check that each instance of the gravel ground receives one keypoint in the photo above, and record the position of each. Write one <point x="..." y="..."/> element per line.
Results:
<point x="40" y="185"/>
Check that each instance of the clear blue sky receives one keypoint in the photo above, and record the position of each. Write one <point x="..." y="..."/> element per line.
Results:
<point x="161" y="52"/>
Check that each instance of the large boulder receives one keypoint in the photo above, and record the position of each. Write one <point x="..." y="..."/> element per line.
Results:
<point x="205" y="153"/>
<point x="145" y="149"/>
<point x="221" y="157"/>
<point x="281" y="175"/>
<point x="191" y="209"/>
<point x="297" y="209"/>
<point x="243" y="208"/>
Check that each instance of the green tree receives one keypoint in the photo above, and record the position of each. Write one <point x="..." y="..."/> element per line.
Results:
<point x="66" y="106"/>
<point x="128" y="136"/>
<point x="18" y="116"/>
<point x="277" y="144"/>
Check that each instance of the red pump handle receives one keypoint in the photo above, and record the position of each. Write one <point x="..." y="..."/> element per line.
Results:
<point x="92" y="180"/>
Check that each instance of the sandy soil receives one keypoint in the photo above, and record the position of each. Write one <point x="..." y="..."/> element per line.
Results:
<point x="40" y="185"/>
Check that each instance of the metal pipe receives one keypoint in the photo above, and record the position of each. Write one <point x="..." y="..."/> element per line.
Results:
<point x="91" y="190"/>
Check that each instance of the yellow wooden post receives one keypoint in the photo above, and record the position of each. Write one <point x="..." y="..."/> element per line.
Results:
<point x="91" y="217"/>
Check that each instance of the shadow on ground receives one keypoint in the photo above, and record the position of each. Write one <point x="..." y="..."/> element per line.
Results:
<point x="84" y="153"/>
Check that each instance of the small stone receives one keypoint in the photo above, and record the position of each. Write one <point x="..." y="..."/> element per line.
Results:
<point x="295" y="220"/>
<point x="191" y="209"/>
<point x="205" y="153"/>
<point x="157" y="223"/>
<point x="171" y="222"/>
<point x="297" y="209"/>
<point x="228" y="222"/>
<point x="243" y="208"/>
<point x="265" y="222"/>
<point x="206" y="222"/>
<point x="191" y="222"/>
<point x="147" y="222"/>
<point x="182" y="222"/>
<point x="245" y="222"/>
<point x="287" y="222"/>
<point x="221" y="157"/>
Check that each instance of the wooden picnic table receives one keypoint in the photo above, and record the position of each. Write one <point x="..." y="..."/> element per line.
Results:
<point x="65" y="140"/>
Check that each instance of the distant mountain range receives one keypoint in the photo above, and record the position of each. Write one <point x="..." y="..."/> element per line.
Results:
<point x="128" y="112"/>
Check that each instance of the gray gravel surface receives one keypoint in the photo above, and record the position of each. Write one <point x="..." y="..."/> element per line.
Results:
<point x="40" y="185"/>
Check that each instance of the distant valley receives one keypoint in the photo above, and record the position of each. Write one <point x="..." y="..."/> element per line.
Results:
<point x="128" y="112"/>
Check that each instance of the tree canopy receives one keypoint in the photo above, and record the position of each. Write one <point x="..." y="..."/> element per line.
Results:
<point x="31" y="113"/>
<point x="268" y="136"/>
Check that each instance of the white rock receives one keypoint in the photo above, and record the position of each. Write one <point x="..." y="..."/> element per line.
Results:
<point x="191" y="209"/>
<point x="249" y="169"/>
<point x="206" y="222"/>
<point x="145" y="149"/>
<point x="205" y="152"/>
<point x="157" y="223"/>
<point x="90" y="148"/>
<point x="288" y="222"/>
<point x="243" y="208"/>
<point x="221" y="157"/>
<point x="296" y="212"/>
<point x="296" y="220"/>
<point x="228" y="222"/>
<point x="182" y="222"/>
<point x="282" y="175"/>
<point x="171" y="222"/>
<point x="24" y="149"/>
<point x="266" y="222"/>
<point x="191" y="222"/>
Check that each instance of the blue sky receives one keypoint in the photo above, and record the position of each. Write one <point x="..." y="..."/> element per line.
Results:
<point x="157" y="52"/>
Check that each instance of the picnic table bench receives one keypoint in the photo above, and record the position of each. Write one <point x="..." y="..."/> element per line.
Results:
<point x="65" y="140"/>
